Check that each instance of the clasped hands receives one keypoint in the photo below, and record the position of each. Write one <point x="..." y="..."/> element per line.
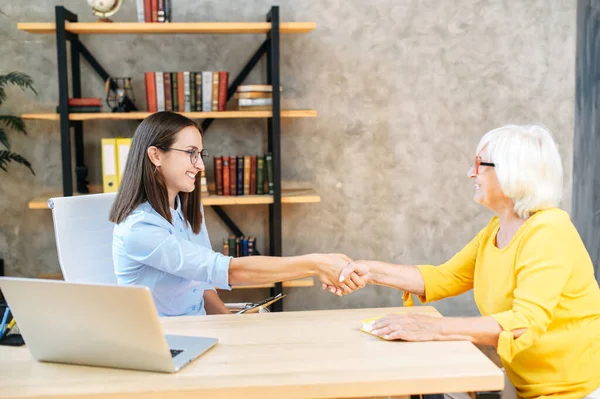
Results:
<point x="340" y="275"/>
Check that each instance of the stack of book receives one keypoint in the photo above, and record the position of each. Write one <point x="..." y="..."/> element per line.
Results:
<point x="154" y="10"/>
<point x="204" y="91"/>
<point x="239" y="246"/>
<point x="255" y="97"/>
<point x="84" y="105"/>
<point x="203" y="185"/>
<point x="244" y="175"/>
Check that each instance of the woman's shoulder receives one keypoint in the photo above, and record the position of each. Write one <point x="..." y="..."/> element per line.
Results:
<point x="142" y="214"/>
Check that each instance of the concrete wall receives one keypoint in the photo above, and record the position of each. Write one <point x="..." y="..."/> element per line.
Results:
<point x="404" y="90"/>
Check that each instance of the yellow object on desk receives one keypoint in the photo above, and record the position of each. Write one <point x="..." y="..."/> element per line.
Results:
<point x="367" y="323"/>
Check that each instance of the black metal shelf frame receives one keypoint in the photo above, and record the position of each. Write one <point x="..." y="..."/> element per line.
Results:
<point x="270" y="48"/>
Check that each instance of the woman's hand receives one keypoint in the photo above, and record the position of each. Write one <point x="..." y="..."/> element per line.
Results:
<point x="354" y="271"/>
<point x="330" y="268"/>
<point x="408" y="327"/>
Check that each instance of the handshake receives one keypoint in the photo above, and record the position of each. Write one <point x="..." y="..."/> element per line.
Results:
<point x="340" y="275"/>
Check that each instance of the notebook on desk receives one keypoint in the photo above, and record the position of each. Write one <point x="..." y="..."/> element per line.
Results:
<point x="96" y="325"/>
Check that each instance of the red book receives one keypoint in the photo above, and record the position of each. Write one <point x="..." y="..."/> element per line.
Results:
<point x="222" y="99"/>
<point x="168" y="94"/>
<point x="147" y="10"/>
<point x="85" y="102"/>
<point x="180" y="94"/>
<point x="150" y="91"/>
<point x="232" y="175"/>
<point x="154" y="10"/>
<point x="226" y="183"/>
<point x="219" y="175"/>
<point x="253" y="175"/>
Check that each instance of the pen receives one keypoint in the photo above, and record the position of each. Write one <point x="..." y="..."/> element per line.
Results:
<point x="4" y="321"/>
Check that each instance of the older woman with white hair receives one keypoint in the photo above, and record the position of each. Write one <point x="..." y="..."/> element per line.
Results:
<point x="532" y="276"/>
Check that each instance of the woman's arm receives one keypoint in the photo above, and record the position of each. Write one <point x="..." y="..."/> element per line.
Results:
<point x="213" y="303"/>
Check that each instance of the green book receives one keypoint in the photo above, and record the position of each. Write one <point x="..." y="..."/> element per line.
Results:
<point x="231" y="246"/>
<point x="174" y="91"/>
<point x="260" y="175"/>
<point x="269" y="162"/>
<point x="193" y="91"/>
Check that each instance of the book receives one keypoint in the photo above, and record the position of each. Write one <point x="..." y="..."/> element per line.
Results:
<point x="140" y="11"/>
<point x="245" y="102"/>
<point x="198" y="91"/>
<point x="255" y="108"/>
<point x="222" y="98"/>
<point x="154" y="5"/>
<point x="260" y="175"/>
<point x="251" y="245"/>
<point x="147" y="11"/>
<point x="240" y="176"/>
<point x="238" y="247"/>
<point x="244" y="246"/>
<point x="150" y="80"/>
<point x="187" y="105"/>
<point x="232" y="175"/>
<point x="219" y="175"/>
<point x="175" y="91"/>
<point x="81" y="109"/>
<point x="252" y="94"/>
<point x="206" y="91"/>
<point x="203" y="183"/>
<point x="261" y="88"/>
<point x="85" y="102"/>
<point x="247" y="175"/>
<point x="180" y="92"/>
<point x="226" y="183"/>
<point x="215" y="91"/>
<point x="160" y="91"/>
<point x="192" y="91"/>
<point x="168" y="91"/>
<point x="226" y="247"/>
<point x="167" y="10"/>
<point x="161" y="10"/>
<point x="231" y="242"/>
<point x="253" y="175"/>
<point x="269" y="163"/>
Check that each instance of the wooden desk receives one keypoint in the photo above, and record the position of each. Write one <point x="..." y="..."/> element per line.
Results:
<point x="316" y="354"/>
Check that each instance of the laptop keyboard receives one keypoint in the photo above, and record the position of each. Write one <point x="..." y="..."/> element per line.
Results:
<point x="175" y="352"/>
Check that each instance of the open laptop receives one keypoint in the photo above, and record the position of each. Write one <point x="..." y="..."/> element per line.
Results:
<point x="96" y="325"/>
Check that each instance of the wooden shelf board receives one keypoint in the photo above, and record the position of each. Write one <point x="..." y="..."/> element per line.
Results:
<point x="301" y="282"/>
<point x="287" y="113"/>
<point x="165" y="28"/>
<point x="289" y="196"/>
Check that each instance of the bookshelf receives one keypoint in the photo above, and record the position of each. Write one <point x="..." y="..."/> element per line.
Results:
<point x="67" y="29"/>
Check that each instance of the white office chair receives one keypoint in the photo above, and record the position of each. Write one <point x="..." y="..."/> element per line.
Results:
<point x="84" y="237"/>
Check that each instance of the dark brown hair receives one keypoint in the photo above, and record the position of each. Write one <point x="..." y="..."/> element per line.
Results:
<point x="140" y="180"/>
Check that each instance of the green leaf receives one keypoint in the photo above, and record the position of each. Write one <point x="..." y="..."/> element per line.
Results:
<point x="20" y="79"/>
<point x="4" y="139"/>
<point x="14" y="122"/>
<point x="7" y="156"/>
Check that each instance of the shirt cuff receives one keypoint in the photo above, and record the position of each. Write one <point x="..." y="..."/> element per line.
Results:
<point x="221" y="273"/>
<point x="508" y="345"/>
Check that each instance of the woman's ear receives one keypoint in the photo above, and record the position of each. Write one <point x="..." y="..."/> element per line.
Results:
<point x="155" y="155"/>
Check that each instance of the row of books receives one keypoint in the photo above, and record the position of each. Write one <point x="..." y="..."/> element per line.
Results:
<point x="239" y="246"/>
<point x="187" y="91"/>
<point x="244" y="175"/>
<point x="154" y="10"/>
<point x="88" y="104"/>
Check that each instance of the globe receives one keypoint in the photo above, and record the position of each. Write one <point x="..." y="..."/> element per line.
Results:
<point x="105" y="8"/>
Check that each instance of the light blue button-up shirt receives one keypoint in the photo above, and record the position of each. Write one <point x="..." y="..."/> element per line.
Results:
<point x="176" y="264"/>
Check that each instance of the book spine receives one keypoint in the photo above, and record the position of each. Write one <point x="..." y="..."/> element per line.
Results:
<point x="203" y="183"/>
<point x="222" y="100"/>
<point x="180" y="92"/>
<point x="161" y="11"/>
<point x="206" y="91"/>
<point x="269" y="162"/>
<point x="198" y="91"/>
<point x="232" y="175"/>
<point x="226" y="247"/>
<point x="168" y="91"/>
<point x="253" y="175"/>
<point x="238" y="248"/>
<point x="192" y="91"/>
<point x="226" y="184"/>
<point x="147" y="11"/>
<point x="260" y="175"/>
<point x="150" y="79"/>
<point x="247" y="175"/>
<point x="85" y="102"/>
<point x="251" y="245"/>
<point x="244" y="246"/>
<point x="175" y="91"/>
<point x="154" y="10"/>
<point x="247" y="102"/>
<point x="219" y="175"/>
<point x="140" y="10"/>
<point x="240" y="176"/>
<point x="160" y="91"/>
<point x="187" y="106"/>
<point x="231" y="245"/>
<point x="215" y="92"/>
<point x="167" y="10"/>
<point x="82" y="109"/>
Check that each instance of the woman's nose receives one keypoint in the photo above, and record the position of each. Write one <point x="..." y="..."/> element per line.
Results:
<point x="471" y="172"/>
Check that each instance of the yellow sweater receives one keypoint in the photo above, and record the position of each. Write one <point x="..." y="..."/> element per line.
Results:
<point x="543" y="280"/>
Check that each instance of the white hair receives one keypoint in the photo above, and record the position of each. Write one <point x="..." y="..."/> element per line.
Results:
<point x="528" y="166"/>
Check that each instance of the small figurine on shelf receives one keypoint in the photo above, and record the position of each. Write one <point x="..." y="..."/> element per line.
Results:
<point x="119" y="95"/>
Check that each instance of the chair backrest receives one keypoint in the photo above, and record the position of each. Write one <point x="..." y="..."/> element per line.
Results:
<point x="84" y="237"/>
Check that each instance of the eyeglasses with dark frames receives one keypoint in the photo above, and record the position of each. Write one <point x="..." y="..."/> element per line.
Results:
<point x="479" y="162"/>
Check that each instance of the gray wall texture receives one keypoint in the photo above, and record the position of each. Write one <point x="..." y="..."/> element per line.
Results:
<point x="404" y="90"/>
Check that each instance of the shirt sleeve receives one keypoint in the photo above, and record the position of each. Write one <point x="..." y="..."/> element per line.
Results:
<point x="541" y="272"/>
<point x="452" y="278"/>
<point x="154" y="245"/>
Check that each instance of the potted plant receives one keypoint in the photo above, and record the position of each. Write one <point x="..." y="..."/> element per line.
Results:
<point x="12" y="122"/>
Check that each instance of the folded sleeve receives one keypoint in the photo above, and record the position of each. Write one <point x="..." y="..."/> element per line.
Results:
<point x="451" y="278"/>
<point x="541" y="272"/>
<point x="155" y="245"/>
